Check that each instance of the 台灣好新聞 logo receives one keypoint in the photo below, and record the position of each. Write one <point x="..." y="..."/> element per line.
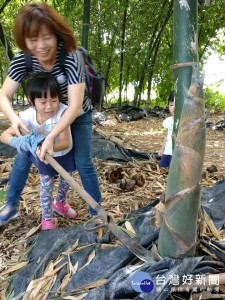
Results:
<point x="141" y="282"/>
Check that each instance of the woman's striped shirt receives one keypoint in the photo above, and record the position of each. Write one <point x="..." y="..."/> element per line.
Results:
<point x="73" y="72"/>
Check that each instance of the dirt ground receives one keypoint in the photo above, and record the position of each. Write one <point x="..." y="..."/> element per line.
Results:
<point x="147" y="134"/>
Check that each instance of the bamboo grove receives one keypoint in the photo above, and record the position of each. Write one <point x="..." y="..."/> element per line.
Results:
<point x="131" y="41"/>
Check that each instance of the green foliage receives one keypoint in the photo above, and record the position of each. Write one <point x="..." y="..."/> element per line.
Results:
<point x="214" y="100"/>
<point x="148" y="40"/>
<point x="159" y="101"/>
<point x="2" y="194"/>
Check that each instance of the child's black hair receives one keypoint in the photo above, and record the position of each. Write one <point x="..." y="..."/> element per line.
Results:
<point x="171" y="97"/>
<point x="38" y="84"/>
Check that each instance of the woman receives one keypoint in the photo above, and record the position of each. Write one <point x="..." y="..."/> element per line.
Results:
<point x="43" y="114"/>
<point x="41" y="32"/>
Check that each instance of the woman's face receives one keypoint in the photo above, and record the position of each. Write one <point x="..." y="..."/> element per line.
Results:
<point x="43" y="46"/>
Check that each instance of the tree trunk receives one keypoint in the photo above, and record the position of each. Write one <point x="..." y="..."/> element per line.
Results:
<point x="178" y="233"/>
<point x="4" y="5"/>
<point x="99" y="37"/>
<point x="126" y="83"/>
<point x="109" y="60"/>
<point x="154" y="47"/>
<point x="141" y="87"/>
<point x="6" y="45"/>
<point x="86" y="23"/>
<point x="122" y="52"/>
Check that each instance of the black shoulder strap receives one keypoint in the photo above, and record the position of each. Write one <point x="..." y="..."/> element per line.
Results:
<point x="62" y="58"/>
<point x="28" y="62"/>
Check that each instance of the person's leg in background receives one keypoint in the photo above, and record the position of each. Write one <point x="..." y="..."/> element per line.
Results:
<point x="81" y="130"/>
<point x="18" y="177"/>
<point x="165" y="161"/>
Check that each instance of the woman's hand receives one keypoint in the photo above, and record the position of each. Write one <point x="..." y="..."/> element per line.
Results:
<point x="17" y="123"/>
<point x="46" y="147"/>
<point x="7" y="91"/>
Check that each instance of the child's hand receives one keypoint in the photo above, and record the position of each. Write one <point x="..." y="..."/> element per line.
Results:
<point x="160" y="153"/>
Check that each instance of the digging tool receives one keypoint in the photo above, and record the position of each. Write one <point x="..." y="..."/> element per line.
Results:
<point x="141" y="252"/>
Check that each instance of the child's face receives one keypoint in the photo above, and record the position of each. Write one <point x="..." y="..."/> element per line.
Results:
<point x="46" y="107"/>
<point x="171" y="108"/>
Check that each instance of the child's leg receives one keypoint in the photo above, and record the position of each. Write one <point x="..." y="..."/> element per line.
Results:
<point x="62" y="190"/>
<point x="46" y="187"/>
<point x="60" y="206"/>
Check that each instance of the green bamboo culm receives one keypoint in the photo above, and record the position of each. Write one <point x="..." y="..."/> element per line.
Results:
<point x="86" y="23"/>
<point x="185" y="50"/>
<point x="178" y="233"/>
<point x="177" y="237"/>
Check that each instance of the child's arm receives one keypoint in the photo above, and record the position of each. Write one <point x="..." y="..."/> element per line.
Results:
<point x="64" y="140"/>
<point x="160" y="153"/>
<point x="7" y="135"/>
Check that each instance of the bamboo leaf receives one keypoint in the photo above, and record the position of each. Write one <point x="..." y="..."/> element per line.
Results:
<point x="212" y="226"/>
<point x="75" y="297"/>
<point x="33" y="230"/>
<point x="130" y="228"/>
<point x="64" y="283"/>
<point x="71" y="249"/>
<point x="130" y="233"/>
<point x="14" y="268"/>
<point x="100" y="232"/>
<point x="49" y="267"/>
<point x="92" y="285"/>
<point x="90" y="258"/>
<point x="53" y="272"/>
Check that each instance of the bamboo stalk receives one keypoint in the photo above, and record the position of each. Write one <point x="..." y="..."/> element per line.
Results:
<point x="177" y="237"/>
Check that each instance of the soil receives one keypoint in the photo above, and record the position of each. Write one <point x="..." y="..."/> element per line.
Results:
<point x="147" y="135"/>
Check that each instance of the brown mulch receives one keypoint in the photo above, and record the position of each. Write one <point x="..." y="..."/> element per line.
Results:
<point x="146" y="134"/>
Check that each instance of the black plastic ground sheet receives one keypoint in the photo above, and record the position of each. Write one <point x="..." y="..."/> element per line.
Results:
<point x="118" y="265"/>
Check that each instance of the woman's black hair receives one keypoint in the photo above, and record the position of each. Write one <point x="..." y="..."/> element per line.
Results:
<point x="38" y="84"/>
<point x="171" y="97"/>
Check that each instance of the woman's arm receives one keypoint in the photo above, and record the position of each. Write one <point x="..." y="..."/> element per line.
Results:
<point x="75" y="96"/>
<point x="8" y="89"/>
<point x="7" y="135"/>
<point x="62" y="144"/>
<point x="64" y="140"/>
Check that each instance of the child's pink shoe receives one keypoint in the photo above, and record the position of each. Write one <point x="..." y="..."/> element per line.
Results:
<point x="64" y="209"/>
<point x="48" y="224"/>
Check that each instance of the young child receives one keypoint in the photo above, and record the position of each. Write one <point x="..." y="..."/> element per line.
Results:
<point x="166" y="150"/>
<point x="42" y="117"/>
